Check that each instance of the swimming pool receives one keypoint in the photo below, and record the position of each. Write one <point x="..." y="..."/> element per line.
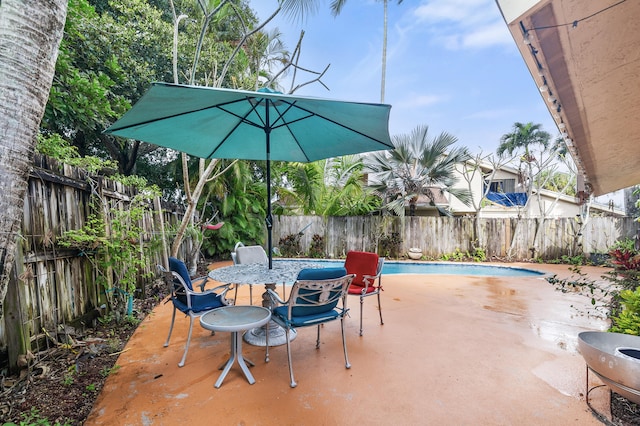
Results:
<point x="442" y="268"/>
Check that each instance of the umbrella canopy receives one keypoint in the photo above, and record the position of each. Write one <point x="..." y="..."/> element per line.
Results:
<point x="222" y="123"/>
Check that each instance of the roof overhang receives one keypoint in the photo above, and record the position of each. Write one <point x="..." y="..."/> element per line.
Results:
<point x="585" y="58"/>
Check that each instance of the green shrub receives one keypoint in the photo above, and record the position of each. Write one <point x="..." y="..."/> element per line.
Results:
<point x="628" y="319"/>
<point x="316" y="250"/>
<point x="289" y="245"/>
<point x="56" y="147"/>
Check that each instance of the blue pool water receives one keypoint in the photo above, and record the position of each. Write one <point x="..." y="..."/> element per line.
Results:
<point x="446" y="268"/>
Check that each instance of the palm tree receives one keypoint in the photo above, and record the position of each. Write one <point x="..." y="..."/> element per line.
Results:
<point x="523" y="136"/>
<point x="266" y="52"/>
<point x="332" y="187"/>
<point x="523" y="139"/>
<point x="30" y="35"/>
<point x="418" y="166"/>
<point x="336" y="8"/>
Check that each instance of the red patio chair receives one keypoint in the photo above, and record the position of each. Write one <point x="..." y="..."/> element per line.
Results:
<point x="367" y="268"/>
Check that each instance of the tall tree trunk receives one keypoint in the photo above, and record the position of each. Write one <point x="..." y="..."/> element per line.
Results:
<point x="384" y="53"/>
<point x="30" y="34"/>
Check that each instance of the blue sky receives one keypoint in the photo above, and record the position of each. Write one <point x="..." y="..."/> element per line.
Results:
<point x="451" y="65"/>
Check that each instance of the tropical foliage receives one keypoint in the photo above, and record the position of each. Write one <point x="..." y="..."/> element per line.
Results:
<point x="332" y="187"/>
<point x="418" y="166"/>
<point x="237" y="198"/>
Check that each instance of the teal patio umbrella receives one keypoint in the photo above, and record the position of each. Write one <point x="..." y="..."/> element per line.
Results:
<point x="211" y="122"/>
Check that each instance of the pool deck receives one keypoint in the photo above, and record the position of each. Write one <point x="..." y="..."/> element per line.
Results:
<point x="457" y="350"/>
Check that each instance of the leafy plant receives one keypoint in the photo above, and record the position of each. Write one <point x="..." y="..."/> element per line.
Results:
<point x="626" y="261"/>
<point x="112" y="238"/>
<point x="625" y="244"/>
<point x="69" y="376"/>
<point x="573" y="260"/>
<point x="579" y="283"/>
<point x="316" y="250"/>
<point x="459" y="256"/>
<point x="625" y="305"/>
<point x="628" y="320"/>
<point x="479" y="254"/>
<point x="33" y="418"/>
<point x="290" y="245"/>
<point x="390" y="244"/>
<point x="56" y="147"/>
<point x="620" y="298"/>
<point x="109" y="371"/>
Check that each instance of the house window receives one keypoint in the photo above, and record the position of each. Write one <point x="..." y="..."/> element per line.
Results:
<point x="503" y="185"/>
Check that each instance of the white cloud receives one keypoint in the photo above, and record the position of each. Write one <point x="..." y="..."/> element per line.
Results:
<point x="465" y="12"/>
<point x="418" y="101"/>
<point x="490" y="35"/>
<point x="462" y="24"/>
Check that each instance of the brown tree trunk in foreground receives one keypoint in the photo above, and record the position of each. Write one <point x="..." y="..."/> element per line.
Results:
<point x="30" y="35"/>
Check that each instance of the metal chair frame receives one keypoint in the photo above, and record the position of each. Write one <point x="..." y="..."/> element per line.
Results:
<point x="177" y="287"/>
<point x="313" y="294"/>
<point x="370" y="281"/>
<point x="255" y="254"/>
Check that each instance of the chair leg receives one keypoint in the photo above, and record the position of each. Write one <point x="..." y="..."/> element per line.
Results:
<point x="173" y="320"/>
<point x="361" y="305"/>
<point x="293" y="382"/>
<point x="186" y="348"/>
<point x="380" y="308"/>
<point x="318" y="338"/>
<point x="266" y="330"/>
<point x="251" y="294"/>
<point x="344" y="344"/>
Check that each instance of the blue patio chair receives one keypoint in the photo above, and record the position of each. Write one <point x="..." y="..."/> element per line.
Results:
<point x="313" y="300"/>
<point x="186" y="300"/>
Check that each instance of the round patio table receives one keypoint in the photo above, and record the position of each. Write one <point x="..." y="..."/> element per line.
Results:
<point x="283" y="271"/>
<point x="235" y="319"/>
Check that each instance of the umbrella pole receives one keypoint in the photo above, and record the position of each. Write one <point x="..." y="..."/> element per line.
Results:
<point x="269" y="218"/>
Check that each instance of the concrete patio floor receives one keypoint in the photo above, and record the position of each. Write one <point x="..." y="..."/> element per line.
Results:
<point x="454" y="350"/>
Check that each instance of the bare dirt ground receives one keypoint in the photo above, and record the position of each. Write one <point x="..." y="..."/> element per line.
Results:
<point x="61" y="383"/>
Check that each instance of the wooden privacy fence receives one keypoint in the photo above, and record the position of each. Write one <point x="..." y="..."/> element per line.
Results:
<point x="52" y="286"/>
<point x="498" y="237"/>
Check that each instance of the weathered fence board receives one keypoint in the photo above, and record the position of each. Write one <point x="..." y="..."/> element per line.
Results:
<point x="499" y="238"/>
<point x="51" y="285"/>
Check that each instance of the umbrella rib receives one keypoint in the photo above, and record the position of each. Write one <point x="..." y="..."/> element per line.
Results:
<point x="180" y="114"/>
<point x="243" y="119"/>
<point x="313" y="114"/>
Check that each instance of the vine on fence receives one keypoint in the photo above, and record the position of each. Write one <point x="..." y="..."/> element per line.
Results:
<point x="112" y="239"/>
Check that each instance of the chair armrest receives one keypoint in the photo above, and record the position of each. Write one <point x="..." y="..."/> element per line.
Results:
<point x="275" y="297"/>
<point x="221" y="289"/>
<point x="370" y="280"/>
<point x="195" y="282"/>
